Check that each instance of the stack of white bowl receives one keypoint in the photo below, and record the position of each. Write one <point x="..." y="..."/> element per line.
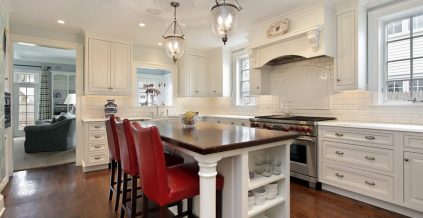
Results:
<point x="271" y="190"/>
<point x="251" y="200"/>
<point x="260" y="196"/>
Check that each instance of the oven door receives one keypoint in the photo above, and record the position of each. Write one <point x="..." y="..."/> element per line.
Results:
<point x="303" y="156"/>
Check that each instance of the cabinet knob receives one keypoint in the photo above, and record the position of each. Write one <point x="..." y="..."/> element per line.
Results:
<point x="370" y="158"/>
<point x="370" y="183"/>
<point x="338" y="80"/>
<point x="232" y="123"/>
<point x="196" y="91"/>
<point x="258" y="87"/>
<point x="97" y="158"/>
<point x="214" y="91"/>
<point x="97" y="146"/>
<point x="339" y="134"/>
<point x="339" y="152"/>
<point x="406" y="159"/>
<point x="340" y="175"/>
<point x="370" y="137"/>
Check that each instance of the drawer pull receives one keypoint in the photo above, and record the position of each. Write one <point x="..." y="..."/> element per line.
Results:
<point x="340" y="175"/>
<point x="97" y="146"/>
<point x="232" y="123"/>
<point x="370" y="158"/>
<point x="243" y="124"/>
<point x="218" y="121"/>
<point x="97" y="136"/>
<point x="339" y="134"/>
<point x="370" y="137"/>
<point x="97" y="158"/>
<point x="97" y="127"/>
<point x="370" y="183"/>
<point x="406" y="159"/>
<point x="339" y="152"/>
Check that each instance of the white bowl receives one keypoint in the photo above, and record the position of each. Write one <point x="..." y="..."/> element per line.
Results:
<point x="250" y="205"/>
<point x="272" y="187"/>
<point x="260" y="196"/>
<point x="271" y="195"/>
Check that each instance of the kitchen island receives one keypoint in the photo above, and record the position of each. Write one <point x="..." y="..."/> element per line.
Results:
<point x="232" y="151"/>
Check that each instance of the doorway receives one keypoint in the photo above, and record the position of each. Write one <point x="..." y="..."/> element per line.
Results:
<point x="44" y="92"/>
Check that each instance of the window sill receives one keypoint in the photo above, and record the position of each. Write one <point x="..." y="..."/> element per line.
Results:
<point x="397" y="106"/>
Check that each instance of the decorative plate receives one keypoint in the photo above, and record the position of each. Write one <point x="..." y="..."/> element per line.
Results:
<point x="277" y="28"/>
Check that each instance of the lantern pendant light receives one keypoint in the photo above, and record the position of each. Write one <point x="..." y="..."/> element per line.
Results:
<point x="174" y="41"/>
<point x="224" y="18"/>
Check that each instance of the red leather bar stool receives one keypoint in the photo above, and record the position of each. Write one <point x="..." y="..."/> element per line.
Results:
<point x="113" y="144"/>
<point x="167" y="185"/>
<point x="130" y="166"/>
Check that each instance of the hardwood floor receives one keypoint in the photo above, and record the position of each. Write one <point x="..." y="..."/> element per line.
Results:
<point x="65" y="191"/>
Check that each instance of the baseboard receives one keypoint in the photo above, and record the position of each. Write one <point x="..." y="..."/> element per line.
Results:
<point x="2" y="208"/>
<point x="4" y="183"/>
<point x="375" y="202"/>
<point x="87" y="169"/>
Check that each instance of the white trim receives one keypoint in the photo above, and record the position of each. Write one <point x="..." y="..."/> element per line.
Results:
<point x="372" y="201"/>
<point x="173" y="69"/>
<point x="375" y="41"/>
<point x="78" y="83"/>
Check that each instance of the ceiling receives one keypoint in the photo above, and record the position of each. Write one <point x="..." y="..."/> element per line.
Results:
<point x="120" y="18"/>
<point x="34" y="53"/>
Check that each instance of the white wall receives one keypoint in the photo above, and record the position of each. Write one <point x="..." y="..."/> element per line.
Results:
<point x="44" y="33"/>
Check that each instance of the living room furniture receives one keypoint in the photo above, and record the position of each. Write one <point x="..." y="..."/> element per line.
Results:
<point x="57" y="136"/>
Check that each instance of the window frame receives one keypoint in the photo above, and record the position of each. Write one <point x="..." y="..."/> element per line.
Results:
<point x="377" y="20"/>
<point x="237" y="58"/>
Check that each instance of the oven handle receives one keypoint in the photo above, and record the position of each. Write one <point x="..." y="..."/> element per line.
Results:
<point x="306" y="138"/>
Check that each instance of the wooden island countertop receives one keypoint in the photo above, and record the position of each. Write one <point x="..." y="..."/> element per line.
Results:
<point x="209" y="138"/>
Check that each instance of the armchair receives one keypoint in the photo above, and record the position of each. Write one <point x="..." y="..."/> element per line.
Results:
<point x="58" y="136"/>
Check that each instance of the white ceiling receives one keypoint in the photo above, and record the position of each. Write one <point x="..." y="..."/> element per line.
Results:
<point x="120" y="18"/>
<point x="41" y="54"/>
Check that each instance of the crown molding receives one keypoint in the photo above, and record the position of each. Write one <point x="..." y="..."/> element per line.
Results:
<point x="8" y="5"/>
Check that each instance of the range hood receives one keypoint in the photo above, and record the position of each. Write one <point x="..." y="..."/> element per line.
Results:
<point x="310" y="34"/>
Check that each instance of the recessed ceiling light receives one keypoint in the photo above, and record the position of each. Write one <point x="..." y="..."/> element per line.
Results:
<point x="141" y="24"/>
<point x="160" y="43"/>
<point x="24" y="43"/>
<point x="61" y="21"/>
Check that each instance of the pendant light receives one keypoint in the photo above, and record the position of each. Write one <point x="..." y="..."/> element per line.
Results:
<point x="174" y="41"/>
<point x="224" y="18"/>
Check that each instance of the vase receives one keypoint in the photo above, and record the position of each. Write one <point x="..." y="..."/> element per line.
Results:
<point x="110" y="107"/>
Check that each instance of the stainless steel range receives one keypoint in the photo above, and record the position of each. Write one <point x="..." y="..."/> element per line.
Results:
<point x="304" y="148"/>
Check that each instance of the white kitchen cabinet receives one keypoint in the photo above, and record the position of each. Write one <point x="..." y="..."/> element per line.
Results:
<point x="255" y="82"/>
<point x="215" y="74"/>
<point x="350" y="62"/>
<point x="413" y="180"/>
<point x="96" y="153"/>
<point x="193" y="76"/>
<point x="108" y="68"/>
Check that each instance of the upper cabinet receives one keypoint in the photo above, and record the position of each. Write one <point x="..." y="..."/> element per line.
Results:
<point x="215" y="74"/>
<point x="193" y="76"/>
<point x="107" y="67"/>
<point x="350" y="64"/>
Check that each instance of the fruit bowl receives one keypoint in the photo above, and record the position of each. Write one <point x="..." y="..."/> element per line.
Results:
<point x="190" y="118"/>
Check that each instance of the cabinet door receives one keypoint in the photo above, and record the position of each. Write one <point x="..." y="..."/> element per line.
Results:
<point x="98" y="66"/>
<point x="190" y="71"/>
<point x="255" y="82"/>
<point x="200" y="83"/>
<point x="120" y="69"/>
<point x="413" y="180"/>
<point x="215" y="75"/>
<point x="345" y="60"/>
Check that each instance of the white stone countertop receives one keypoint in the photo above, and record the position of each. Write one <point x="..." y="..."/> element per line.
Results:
<point x="378" y="126"/>
<point x="85" y="120"/>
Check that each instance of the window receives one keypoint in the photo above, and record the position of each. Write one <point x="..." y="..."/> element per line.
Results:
<point x="244" y="96"/>
<point x="154" y="87"/>
<point x="404" y="59"/>
<point x="26" y="77"/>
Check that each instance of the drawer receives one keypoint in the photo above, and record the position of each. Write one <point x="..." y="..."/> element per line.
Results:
<point x="101" y="146"/>
<point x="98" y="126"/>
<point x="363" y="156"/>
<point x="413" y="141"/>
<point x="93" y="137"/>
<point x="98" y="158"/>
<point x="365" y="183"/>
<point x="359" y="136"/>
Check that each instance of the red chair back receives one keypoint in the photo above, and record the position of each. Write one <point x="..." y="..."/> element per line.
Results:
<point x="127" y="148"/>
<point x="112" y="137"/>
<point x="151" y="161"/>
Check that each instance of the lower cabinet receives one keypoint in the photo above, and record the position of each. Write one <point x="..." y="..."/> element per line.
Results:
<point x="381" y="164"/>
<point x="96" y="152"/>
<point x="413" y="180"/>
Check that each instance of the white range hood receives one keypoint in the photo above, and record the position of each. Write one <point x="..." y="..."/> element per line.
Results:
<point x="310" y="34"/>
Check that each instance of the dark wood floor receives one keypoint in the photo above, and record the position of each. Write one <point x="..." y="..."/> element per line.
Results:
<point x="65" y="191"/>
